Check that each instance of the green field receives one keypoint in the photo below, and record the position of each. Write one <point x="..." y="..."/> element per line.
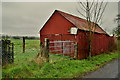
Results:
<point x="59" y="66"/>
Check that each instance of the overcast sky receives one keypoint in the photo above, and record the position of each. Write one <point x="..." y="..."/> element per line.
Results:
<point x="27" y="18"/>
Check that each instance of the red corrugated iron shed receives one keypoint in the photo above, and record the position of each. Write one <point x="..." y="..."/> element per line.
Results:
<point x="58" y="27"/>
<point x="81" y="23"/>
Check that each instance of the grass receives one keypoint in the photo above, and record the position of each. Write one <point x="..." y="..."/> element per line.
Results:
<point x="0" y="71"/>
<point x="61" y="67"/>
<point x="32" y="48"/>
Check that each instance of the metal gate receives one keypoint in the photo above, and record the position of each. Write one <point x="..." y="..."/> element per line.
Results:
<point x="64" y="48"/>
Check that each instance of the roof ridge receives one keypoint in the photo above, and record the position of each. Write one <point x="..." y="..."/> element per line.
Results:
<point x="69" y="14"/>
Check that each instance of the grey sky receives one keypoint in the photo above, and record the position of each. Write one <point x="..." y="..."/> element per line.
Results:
<point x="27" y="18"/>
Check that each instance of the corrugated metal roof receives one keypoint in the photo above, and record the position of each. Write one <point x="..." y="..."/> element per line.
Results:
<point x="81" y="23"/>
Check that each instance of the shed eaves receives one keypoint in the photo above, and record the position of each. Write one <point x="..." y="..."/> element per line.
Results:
<point x="81" y="23"/>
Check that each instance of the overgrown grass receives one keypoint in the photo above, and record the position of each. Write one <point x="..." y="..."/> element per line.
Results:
<point x="60" y="68"/>
<point x="0" y="71"/>
<point x="32" y="49"/>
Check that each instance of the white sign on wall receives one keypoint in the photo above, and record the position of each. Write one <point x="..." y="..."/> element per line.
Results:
<point x="73" y="30"/>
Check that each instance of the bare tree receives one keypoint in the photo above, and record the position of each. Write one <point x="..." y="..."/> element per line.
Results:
<point x="116" y="31"/>
<point x="93" y="13"/>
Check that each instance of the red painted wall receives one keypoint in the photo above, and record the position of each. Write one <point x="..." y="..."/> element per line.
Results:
<point x="100" y="44"/>
<point x="57" y="24"/>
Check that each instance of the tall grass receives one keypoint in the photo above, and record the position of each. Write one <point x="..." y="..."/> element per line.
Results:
<point x="60" y="68"/>
<point x="32" y="49"/>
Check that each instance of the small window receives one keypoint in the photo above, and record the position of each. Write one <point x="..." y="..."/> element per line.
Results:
<point x="73" y="30"/>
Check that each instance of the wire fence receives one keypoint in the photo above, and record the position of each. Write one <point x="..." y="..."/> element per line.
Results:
<point x="7" y="50"/>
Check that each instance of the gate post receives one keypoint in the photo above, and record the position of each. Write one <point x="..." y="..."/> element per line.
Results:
<point x="76" y="50"/>
<point x="46" y="45"/>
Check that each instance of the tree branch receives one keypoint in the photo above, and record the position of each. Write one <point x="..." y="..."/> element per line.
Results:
<point x="81" y="13"/>
<point x="81" y="7"/>
<point x="102" y="12"/>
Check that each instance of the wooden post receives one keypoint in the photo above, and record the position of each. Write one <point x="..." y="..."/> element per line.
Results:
<point x="8" y="52"/>
<point x="12" y="52"/>
<point x="46" y="45"/>
<point x="3" y="51"/>
<point x="23" y="44"/>
<point x="76" y="50"/>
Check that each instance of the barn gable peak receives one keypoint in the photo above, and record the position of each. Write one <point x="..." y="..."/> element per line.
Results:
<point x="78" y="22"/>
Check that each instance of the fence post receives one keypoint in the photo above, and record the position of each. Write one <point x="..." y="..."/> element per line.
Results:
<point x="23" y="44"/>
<point x="46" y="45"/>
<point x="3" y="52"/>
<point x="8" y="52"/>
<point x="12" y="52"/>
<point x="76" y="50"/>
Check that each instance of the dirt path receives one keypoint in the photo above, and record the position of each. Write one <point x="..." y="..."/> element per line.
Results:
<point x="110" y="70"/>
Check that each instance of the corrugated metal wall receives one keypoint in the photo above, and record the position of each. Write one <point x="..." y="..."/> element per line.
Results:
<point x="100" y="44"/>
<point x="57" y="24"/>
<point x="57" y="28"/>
